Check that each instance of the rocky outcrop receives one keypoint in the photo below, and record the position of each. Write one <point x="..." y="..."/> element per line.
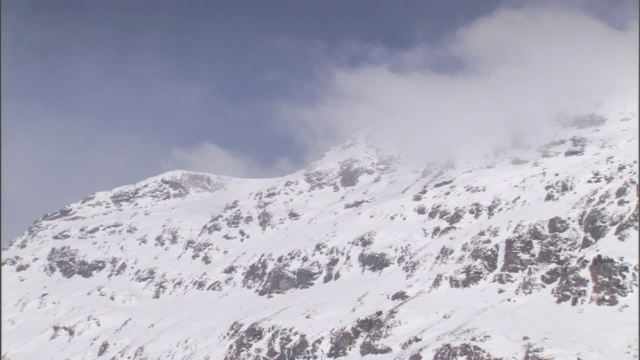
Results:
<point x="462" y="351"/>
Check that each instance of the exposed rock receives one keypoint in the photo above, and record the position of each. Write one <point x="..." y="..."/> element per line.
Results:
<point x="342" y="341"/>
<point x="350" y="172"/>
<point x="552" y="275"/>
<point x="364" y="240"/>
<point x="244" y="340"/>
<point x="370" y="348"/>
<point x="318" y="179"/>
<point x="69" y="263"/>
<point x="306" y="276"/>
<point x="494" y="207"/>
<point x="256" y="273"/>
<point x="631" y="222"/>
<point x="529" y="285"/>
<point x="596" y="224"/>
<point x="400" y="295"/>
<point x="457" y="215"/>
<point x="503" y="278"/>
<point x="444" y="255"/>
<point x="535" y="353"/>
<point x="103" y="348"/>
<point x="355" y="204"/>
<point x="557" y="249"/>
<point x="485" y="262"/>
<point x="578" y="145"/>
<point x="557" y="225"/>
<point x="462" y="351"/>
<point x="374" y="261"/>
<point x="58" y="214"/>
<point x="571" y="285"/>
<point x="443" y="183"/>
<point x="476" y="210"/>
<point x="519" y="253"/>
<point x="610" y="280"/>
<point x="555" y="190"/>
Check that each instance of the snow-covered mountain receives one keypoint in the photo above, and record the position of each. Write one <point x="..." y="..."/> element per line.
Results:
<point x="530" y="255"/>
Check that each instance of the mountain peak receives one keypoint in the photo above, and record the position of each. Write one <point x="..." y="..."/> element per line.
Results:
<point x="341" y="259"/>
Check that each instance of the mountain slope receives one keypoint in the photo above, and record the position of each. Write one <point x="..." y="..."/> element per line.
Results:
<point x="530" y="255"/>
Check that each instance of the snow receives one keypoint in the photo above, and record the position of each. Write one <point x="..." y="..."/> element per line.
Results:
<point x="187" y="322"/>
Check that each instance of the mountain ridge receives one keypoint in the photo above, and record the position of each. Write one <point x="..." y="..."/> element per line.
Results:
<point x="357" y="255"/>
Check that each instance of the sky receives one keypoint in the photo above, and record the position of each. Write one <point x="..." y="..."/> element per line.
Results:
<point x="99" y="94"/>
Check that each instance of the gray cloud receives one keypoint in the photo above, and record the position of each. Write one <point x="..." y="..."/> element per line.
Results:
<point x="521" y="69"/>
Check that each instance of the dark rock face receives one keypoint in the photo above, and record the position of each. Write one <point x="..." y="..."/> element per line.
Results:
<point x="485" y="261"/>
<point x="306" y="276"/>
<point x="595" y="225"/>
<point x="578" y="145"/>
<point x="264" y="219"/>
<point x="364" y="240"/>
<point x="557" y="189"/>
<point x="69" y="263"/>
<point x="17" y="261"/>
<point x="571" y="285"/>
<point x="330" y="267"/>
<point x="125" y="197"/>
<point x="350" y="172"/>
<point x="58" y="214"/>
<point x="278" y="282"/>
<point x="610" y="280"/>
<point x="374" y="261"/>
<point x="494" y="207"/>
<point x="503" y="278"/>
<point x="256" y="273"/>
<point x="444" y="255"/>
<point x="400" y="295"/>
<point x="103" y="348"/>
<point x="534" y="353"/>
<point x="437" y="281"/>
<point x="519" y="253"/>
<point x="370" y="348"/>
<point x="631" y="222"/>
<point x="244" y="340"/>
<point x="175" y="187"/>
<point x="342" y="341"/>
<point x="467" y="351"/>
<point x="318" y="179"/>
<point x="557" y="225"/>
<point x="552" y="275"/>
<point x="457" y="215"/>
<point x="476" y="210"/>
<point x="529" y="285"/>
<point x="146" y="275"/>
<point x="373" y="328"/>
<point x="443" y="183"/>
<point x="469" y="275"/>
<point x="557" y="249"/>
<point x="280" y="278"/>
<point x="212" y="226"/>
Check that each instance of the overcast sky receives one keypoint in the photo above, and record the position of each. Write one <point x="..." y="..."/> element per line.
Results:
<point x="99" y="94"/>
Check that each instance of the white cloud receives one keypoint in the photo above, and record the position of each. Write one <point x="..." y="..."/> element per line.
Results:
<point x="521" y="69"/>
<point x="211" y="158"/>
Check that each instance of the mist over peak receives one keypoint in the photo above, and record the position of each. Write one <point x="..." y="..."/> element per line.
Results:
<point x="523" y="71"/>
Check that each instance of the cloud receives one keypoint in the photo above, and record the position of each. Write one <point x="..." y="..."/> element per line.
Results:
<point x="518" y="71"/>
<point x="211" y="158"/>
